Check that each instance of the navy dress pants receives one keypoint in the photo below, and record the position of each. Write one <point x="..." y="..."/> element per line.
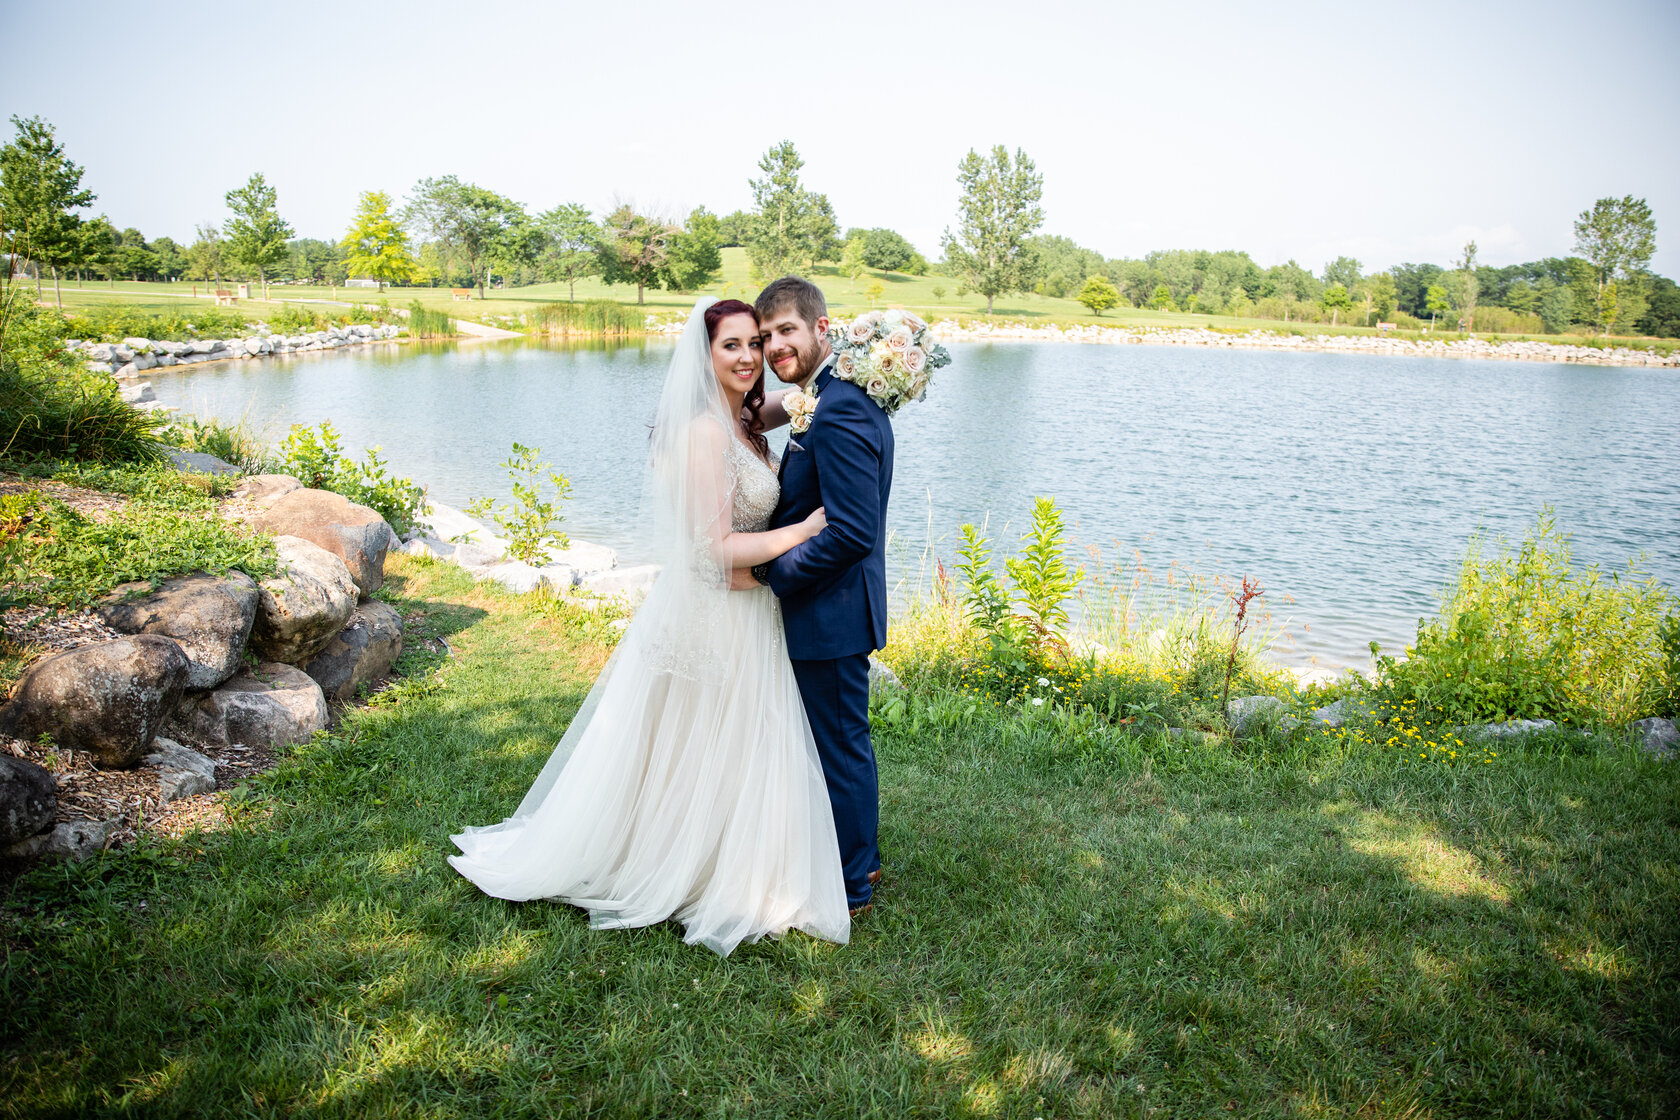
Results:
<point x="836" y="697"/>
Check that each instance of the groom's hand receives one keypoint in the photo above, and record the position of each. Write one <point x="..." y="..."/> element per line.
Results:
<point x="741" y="579"/>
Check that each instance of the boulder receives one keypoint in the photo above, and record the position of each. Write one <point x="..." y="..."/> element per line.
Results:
<point x="1656" y="736"/>
<point x="361" y="653"/>
<point x="109" y="698"/>
<point x="266" y="489"/>
<point x="203" y="345"/>
<point x="143" y="362"/>
<point x="1510" y="729"/>
<point x="199" y="462"/>
<point x="300" y="609"/>
<point x="209" y="617"/>
<point x="272" y="705"/>
<point x="137" y="392"/>
<point x="355" y="534"/>
<point x="138" y="345"/>
<point x="183" y="772"/>
<point x="515" y="575"/>
<point x="1249" y="714"/>
<point x="126" y="369"/>
<point x="28" y="799"/>
<point x="635" y="580"/>
<point x="882" y="678"/>
<point x="450" y="524"/>
<point x="72" y="840"/>
<point x="584" y="558"/>
<point x="100" y="352"/>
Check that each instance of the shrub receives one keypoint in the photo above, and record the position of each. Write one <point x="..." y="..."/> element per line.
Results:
<point x="1530" y="636"/>
<point x="112" y="324"/>
<point x="531" y="521"/>
<point x="315" y="459"/>
<point x="53" y="407"/>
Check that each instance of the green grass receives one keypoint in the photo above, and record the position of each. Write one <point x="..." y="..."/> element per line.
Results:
<point x="845" y="299"/>
<point x="1114" y="927"/>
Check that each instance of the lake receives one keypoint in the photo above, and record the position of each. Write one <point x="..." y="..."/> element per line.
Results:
<point x="1347" y="484"/>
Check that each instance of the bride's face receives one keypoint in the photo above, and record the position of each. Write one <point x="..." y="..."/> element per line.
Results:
<point x="737" y="354"/>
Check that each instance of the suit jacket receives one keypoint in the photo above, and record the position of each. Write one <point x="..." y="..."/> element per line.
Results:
<point x="833" y="587"/>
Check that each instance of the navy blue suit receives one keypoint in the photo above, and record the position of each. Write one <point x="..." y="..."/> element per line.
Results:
<point x="833" y="591"/>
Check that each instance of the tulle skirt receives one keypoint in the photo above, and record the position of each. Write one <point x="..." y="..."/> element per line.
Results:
<point x="677" y="796"/>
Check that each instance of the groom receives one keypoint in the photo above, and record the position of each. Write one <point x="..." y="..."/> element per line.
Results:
<point x="833" y="588"/>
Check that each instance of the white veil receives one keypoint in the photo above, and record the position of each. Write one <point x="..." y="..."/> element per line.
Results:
<point x="688" y="494"/>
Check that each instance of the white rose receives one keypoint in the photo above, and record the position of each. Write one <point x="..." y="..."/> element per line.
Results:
<point x="915" y="322"/>
<point x="873" y="318"/>
<point x="845" y="364"/>
<point x="860" y="331"/>
<point x="898" y="339"/>
<point x="914" y="359"/>
<point x="893" y="317"/>
<point x="876" y="387"/>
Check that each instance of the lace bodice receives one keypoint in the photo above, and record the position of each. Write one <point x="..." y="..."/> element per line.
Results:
<point x="757" y="490"/>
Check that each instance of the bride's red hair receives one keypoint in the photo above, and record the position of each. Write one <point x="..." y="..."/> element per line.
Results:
<point x="754" y="402"/>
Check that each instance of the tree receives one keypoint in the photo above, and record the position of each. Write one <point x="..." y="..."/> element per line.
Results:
<point x="1469" y="287"/>
<point x="1345" y="271"/>
<point x="694" y="260"/>
<point x="1557" y="305"/>
<point x="734" y="229"/>
<point x="135" y="258"/>
<point x="570" y="238"/>
<point x="634" y="249"/>
<point x="998" y="213"/>
<point x="95" y="247"/>
<point x="39" y="187"/>
<point x="204" y="256"/>
<point x="376" y="245"/>
<point x="1435" y="301"/>
<point x="256" y="235"/>
<point x="875" y="291"/>
<point x="1335" y="300"/>
<point x="466" y="222"/>
<point x="1098" y="294"/>
<point x="1381" y="293"/>
<point x="1162" y="299"/>
<point x="852" y="261"/>
<point x="791" y="228"/>
<point x="886" y="250"/>
<point x="1617" y="237"/>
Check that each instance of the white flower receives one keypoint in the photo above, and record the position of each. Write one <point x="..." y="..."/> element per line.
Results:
<point x="800" y="408"/>
<point x="898" y="339"/>
<point x="1043" y="682"/>
<point x="845" y="364"/>
<point x="860" y="330"/>
<point x="873" y="318"/>
<point x="893" y="317"/>
<point x="876" y="387"/>
<point x="1038" y="701"/>
<point x="915" y="359"/>
<point x="915" y="322"/>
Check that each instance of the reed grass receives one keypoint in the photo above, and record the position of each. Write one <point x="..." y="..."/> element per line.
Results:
<point x="592" y="316"/>
<point x="424" y="322"/>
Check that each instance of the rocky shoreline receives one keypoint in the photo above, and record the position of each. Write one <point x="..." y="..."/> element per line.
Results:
<point x="128" y="359"/>
<point x="1476" y="348"/>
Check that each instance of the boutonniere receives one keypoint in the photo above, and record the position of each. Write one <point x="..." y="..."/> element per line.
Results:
<point x="801" y="408"/>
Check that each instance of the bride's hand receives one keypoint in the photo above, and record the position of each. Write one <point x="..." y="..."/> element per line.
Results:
<point x="814" y="524"/>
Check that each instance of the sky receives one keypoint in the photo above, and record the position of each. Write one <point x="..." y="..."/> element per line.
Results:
<point x="1300" y="131"/>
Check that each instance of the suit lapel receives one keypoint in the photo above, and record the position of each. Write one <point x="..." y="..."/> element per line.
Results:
<point x="824" y="376"/>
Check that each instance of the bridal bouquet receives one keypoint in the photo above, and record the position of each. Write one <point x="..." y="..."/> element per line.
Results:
<point x="891" y="355"/>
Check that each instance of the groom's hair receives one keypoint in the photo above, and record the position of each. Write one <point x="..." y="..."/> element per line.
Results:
<point x="804" y="297"/>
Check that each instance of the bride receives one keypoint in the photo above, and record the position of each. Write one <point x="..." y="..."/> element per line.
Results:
<point x="688" y="784"/>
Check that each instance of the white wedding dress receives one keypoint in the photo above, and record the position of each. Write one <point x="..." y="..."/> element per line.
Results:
<point x="688" y="785"/>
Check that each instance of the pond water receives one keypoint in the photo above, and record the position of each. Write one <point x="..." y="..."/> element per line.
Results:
<point x="1347" y="484"/>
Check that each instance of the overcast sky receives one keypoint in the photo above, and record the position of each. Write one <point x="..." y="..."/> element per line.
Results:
<point x="1385" y="132"/>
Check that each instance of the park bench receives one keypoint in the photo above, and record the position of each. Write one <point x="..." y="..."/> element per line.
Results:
<point x="225" y="297"/>
<point x="461" y="293"/>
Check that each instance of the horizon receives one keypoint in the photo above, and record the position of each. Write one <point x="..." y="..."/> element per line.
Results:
<point x="1205" y="161"/>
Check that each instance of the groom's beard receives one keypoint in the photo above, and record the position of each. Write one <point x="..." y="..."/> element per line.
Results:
<point x="806" y="364"/>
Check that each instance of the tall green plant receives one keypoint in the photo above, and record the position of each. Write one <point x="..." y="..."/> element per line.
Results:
<point x="984" y="598"/>
<point x="1043" y="582"/>
<point x="531" y="521"/>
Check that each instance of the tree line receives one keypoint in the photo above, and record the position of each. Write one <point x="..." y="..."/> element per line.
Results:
<point x="451" y="232"/>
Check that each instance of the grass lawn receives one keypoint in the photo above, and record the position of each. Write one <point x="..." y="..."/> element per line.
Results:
<point x="1131" y="928"/>
<point x="844" y="297"/>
